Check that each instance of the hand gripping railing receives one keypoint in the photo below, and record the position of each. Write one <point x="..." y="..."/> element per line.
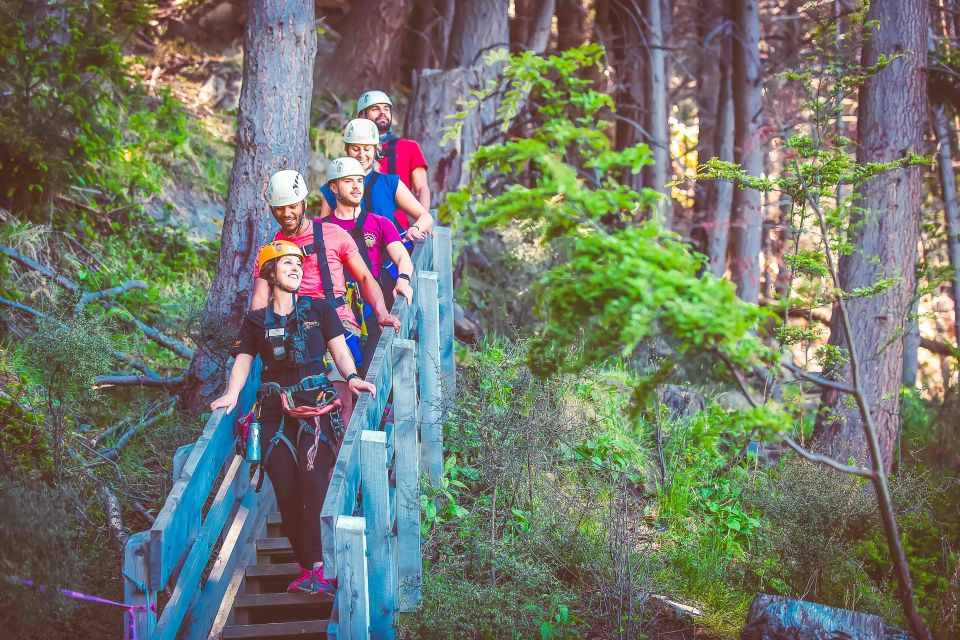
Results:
<point x="372" y="545"/>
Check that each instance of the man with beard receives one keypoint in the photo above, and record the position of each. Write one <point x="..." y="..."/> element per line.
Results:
<point x="401" y="156"/>
<point x="286" y="194"/>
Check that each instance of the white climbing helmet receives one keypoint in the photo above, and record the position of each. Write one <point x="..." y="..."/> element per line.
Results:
<point x="361" y="131"/>
<point x="343" y="167"/>
<point x="371" y="98"/>
<point x="286" y="187"/>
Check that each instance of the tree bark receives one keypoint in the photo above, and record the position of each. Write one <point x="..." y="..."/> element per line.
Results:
<point x="273" y="121"/>
<point x="713" y="198"/>
<point x="538" y="35"/>
<point x="747" y="212"/>
<point x="951" y="209"/>
<point x="479" y="26"/>
<point x="884" y="228"/>
<point x="656" y="120"/>
<point x="571" y="24"/>
<point x="367" y="55"/>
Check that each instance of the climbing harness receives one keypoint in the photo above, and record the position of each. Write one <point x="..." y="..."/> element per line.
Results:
<point x="306" y="402"/>
<point x="319" y="249"/>
<point x="388" y="150"/>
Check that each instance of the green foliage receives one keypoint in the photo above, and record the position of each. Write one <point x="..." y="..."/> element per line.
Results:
<point x="74" y="116"/>
<point x="623" y="281"/>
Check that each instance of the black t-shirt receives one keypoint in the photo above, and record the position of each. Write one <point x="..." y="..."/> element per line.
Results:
<point x="320" y="323"/>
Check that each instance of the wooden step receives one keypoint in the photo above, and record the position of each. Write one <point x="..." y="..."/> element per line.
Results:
<point x="274" y="550"/>
<point x="261" y="608"/>
<point x="274" y="525"/>
<point x="270" y="578"/>
<point x="282" y="570"/>
<point x="278" y="630"/>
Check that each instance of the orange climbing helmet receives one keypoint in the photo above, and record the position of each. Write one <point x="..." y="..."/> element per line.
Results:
<point x="277" y="249"/>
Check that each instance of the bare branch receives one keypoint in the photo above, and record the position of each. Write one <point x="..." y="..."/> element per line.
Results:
<point x="114" y="451"/>
<point x="30" y="263"/>
<point x="818" y="380"/>
<point x="160" y="338"/>
<point x="827" y="461"/>
<point x="89" y="297"/>
<point x="86" y="297"/>
<point x="122" y="357"/>
<point x="744" y="389"/>
<point x="117" y="380"/>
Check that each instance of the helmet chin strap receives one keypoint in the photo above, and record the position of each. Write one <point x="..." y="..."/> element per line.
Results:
<point x="278" y="284"/>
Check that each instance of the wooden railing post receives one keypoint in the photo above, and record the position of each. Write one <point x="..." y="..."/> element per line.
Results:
<point x="352" y="596"/>
<point x="406" y="467"/>
<point x="377" y="511"/>
<point x="429" y="369"/>
<point x="136" y="589"/>
<point x="443" y="265"/>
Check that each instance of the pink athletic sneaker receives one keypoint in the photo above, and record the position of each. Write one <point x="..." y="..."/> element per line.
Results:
<point x="306" y="576"/>
<point x="325" y="586"/>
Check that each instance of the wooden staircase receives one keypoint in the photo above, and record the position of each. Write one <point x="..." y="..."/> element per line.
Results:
<point x="262" y="608"/>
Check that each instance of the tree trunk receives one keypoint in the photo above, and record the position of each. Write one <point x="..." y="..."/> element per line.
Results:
<point x="713" y="198"/>
<point x="571" y="24"/>
<point x="884" y="228"/>
<point x="538" y="36"/>
<point x="656" y="120"/>
<point x="479" y="26"/>
<point x="273" y="121"/>
<point x="626" y="53"/>
<point x="436" y="94"/>
<point x="367" y="55"/>
<point x="951" y="210"/>
<point x="747" y="212"/>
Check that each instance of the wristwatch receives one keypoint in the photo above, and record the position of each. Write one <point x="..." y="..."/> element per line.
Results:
<point x="404" y="276"/>
<point x="352" y="376"/>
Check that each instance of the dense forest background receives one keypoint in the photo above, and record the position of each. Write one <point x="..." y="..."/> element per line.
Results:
<point x="706" y="277"/>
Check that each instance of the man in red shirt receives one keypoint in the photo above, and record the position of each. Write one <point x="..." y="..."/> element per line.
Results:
<point x="286" y="195"/>
<point x="401" y="156"/>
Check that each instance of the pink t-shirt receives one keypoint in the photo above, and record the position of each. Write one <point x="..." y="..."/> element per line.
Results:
<point x="408" y="157"/>
<point x="378" y="232"/>
<point x="340" y="249"/>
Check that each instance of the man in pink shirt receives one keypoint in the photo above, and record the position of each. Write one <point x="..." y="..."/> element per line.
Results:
<point x="401" y="156"/>
<point x="286" y="195"/>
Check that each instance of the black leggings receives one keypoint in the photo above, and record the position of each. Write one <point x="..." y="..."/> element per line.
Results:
<point x="300" y="493"/>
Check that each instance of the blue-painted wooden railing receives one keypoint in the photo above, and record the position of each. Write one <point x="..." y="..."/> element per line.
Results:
<point x="371" y="545"/>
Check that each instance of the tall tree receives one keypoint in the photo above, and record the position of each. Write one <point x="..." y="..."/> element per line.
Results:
<point x="273" y="122"/>
<point x="884" y="228"/>
<point x="713" y="198"/>
<point x="657" y="124"/>
<point x="367" y="55"/>
<point x="571" y="23"/>
<point x="747" y="225"/>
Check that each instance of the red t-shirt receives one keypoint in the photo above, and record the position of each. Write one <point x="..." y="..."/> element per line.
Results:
<point x="408" y="157"/>
<point x="378" y="232"/>
<point x="340" y="248"/>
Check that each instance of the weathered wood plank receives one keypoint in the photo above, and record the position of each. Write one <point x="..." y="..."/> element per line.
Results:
<point x="352" y="597"/>
<point x="381" y="570"/>
<point x="180" y="459"/>
<point x="244" y="529"/>
<point x="179" y="520"/>
<point x="407" y="475"/>
<point x="429" y="369"/>
<point x="201" y="548"/>
<point x="136" y="565"/>
<point x="443" y="265"/>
